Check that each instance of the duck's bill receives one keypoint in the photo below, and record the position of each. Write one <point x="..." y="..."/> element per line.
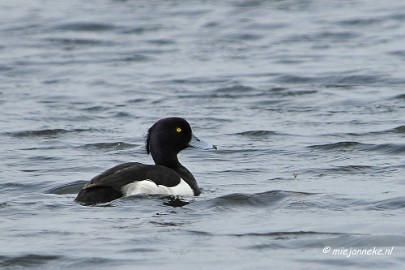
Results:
<point x="197" y="143"/>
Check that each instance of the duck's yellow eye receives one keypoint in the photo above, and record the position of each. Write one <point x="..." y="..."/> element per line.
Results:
<point x="178" y="130"/>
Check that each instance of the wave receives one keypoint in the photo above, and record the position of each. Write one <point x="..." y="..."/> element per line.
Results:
<point x="258" y="133"/>
<point x="388" y="148"/>
<point x="349" y="169"/>
<point x="298" y="200"/>
<point x="336" y="146"/>
<point x="388" y="204"/>
<point x="272" y="234"/>
<point x="263" y="199"/>
<point x="339" y="80"/>
<point x="85" y="26"/>
<point x="109" y="146"/>
<point x="399" y="129"/>
<point x="28" y="260"/>
<point x="69" y="188"/>
<point x="46" y="132"/>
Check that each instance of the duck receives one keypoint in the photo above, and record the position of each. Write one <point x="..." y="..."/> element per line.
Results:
<point x="164" y="140"/>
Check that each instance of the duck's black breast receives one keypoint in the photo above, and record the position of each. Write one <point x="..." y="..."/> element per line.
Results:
<point x="123" y="179"/>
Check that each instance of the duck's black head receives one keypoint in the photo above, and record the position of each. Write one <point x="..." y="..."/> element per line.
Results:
<point x="168" y="136"/>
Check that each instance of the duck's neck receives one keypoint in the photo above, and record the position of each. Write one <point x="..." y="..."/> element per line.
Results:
<point x="187" y="176"/>
<point x="166" y="158"/>
<point x="171" y="161"/>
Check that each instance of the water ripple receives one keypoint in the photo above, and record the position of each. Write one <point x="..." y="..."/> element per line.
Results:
<point x="69" y="188"/>
<point x="339" y="80"/>
<point x="388" y="148"/>
<point x="400" y="129"/>
<point x="28" y="260"/>
<point x="388" y="204"/>
<point x="109" y="146"/>
<point x="258" y="133"/>
<point x="268" y="198"/>
<point x="76" y="41"/>
<point x="45" y="132"/>
<point x="336" y="146"/>
<point x="85" y="26"/>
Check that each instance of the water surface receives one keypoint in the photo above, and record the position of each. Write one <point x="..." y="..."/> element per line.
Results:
<point x="305" y="100"/>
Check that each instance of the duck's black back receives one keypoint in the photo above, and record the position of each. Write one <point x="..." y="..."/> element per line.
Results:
<point x="107" y="186"/>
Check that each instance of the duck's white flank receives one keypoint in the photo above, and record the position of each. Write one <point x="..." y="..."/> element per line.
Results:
<point x="149" y="187"/>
